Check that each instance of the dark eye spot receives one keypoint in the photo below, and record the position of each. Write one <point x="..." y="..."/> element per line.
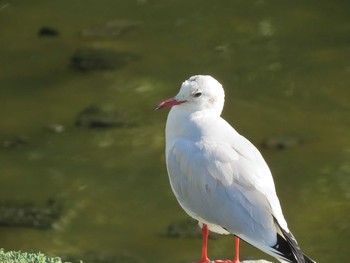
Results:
<point x="198" y="94"/>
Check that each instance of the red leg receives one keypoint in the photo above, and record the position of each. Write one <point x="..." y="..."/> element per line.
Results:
<point x="236" y="260"/>
<point x="205" y="233"/>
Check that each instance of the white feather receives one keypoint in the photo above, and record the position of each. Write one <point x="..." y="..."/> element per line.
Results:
<point x="217" y="175"/>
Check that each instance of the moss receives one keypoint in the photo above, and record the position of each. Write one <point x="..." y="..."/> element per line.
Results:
<point x="24" y="257"/>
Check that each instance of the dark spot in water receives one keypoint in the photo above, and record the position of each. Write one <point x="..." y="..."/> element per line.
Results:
<point x="15" y="142"/>
<point x="98" y="117"/>
<point x="281" y="142"/>
<point x="89" y="59"/>
<point x="28" y="214"/>
<point x="48" y="32"/>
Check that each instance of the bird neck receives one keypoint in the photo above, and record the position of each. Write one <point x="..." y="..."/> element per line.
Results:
<point x="182" y="123"/>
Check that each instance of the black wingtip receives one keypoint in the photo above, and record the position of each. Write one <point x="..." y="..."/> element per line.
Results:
<point x="288" y="249"/>
<point x="284" y="250"/>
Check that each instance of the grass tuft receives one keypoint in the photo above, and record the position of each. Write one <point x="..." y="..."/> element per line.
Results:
<point x="25" y="257"/>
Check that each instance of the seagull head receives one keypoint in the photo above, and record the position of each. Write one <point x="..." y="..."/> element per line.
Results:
<point x="200" y="92"/>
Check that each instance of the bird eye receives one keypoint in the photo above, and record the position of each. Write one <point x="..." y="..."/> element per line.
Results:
<point x="198" y="94"/>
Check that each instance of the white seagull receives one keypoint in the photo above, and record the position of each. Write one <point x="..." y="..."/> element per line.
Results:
<point x="219" y="177"/>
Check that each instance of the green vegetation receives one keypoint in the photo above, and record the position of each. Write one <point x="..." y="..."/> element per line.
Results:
<point x="24" y="257"/>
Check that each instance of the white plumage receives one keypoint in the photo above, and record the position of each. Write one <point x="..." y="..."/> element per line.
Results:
<point x="218" y="176"/>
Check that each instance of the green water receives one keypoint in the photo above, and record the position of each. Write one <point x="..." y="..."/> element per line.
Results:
<point x="285" y="68"/>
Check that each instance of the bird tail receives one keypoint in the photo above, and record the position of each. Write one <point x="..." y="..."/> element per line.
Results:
<point x="287" y="248"/>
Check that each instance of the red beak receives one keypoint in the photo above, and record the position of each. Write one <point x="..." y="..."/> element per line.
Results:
<point x="168" y="103"/>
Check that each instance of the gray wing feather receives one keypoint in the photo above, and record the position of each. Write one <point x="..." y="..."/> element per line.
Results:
<point x="226" y="184"/>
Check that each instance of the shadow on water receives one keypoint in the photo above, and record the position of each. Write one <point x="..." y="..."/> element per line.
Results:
<point x="104" y="65"/>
